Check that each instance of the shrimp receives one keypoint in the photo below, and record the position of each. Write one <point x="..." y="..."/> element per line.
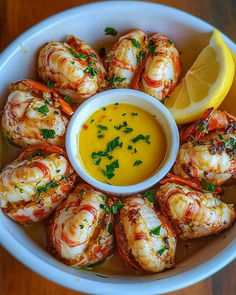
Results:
<point x="145" y="239"/>
<point x="209" y="149"/>
<point x="73" y="68"/>
<point x="81" y="230"/>
<point x="33" y="185"/>
<point x="193" y="212"/>
<point x="32" y="115"/>
<point x="161" y="69"/>
<point x="124" y="59"/>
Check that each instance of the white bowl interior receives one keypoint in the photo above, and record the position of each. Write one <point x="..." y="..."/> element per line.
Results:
<point x="132" y="97"/>
<point x="88" y="22"/>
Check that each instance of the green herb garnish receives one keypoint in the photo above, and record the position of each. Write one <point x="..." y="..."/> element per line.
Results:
<point x="137" y="163"/>
<point x="129" y="147"/>
<point x="105" y="207"/>
<point x="81" y="193"/>
<point x="47" y="186"/>
<point x="110" y="228"/>
<point x="161" y="251"/>
<point x="128" y="130"/>
<point x="150" y="195"/>
<point x="170" y="42"/>
<point x="77" y="55"/>
<point x="92" y="71"/>
<point x="102" y="127"/>
<point x="43" y="109"/>
<point x="116" y="79"/>
<point x="113" y="144"/>
<point x="137" y="138"/>
<point x="67" y="99"/>
<point x="110" y="31"/>
<point x="49" y="82"/>
<point x="156" y="230"/>
<point x="135" y="43"/>
<point x="48" y="133"/>
<point x="209" y="186"/>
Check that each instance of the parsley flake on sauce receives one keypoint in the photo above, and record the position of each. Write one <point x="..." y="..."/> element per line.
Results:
<point x="208" y="186"/>
<point x="110" y="31"/>
<point x="102" y="127"/>
<point x="137" y="163"/>
<point x="67" y="99"/>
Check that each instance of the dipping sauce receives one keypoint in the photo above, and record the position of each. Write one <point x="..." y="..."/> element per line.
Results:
<point x="121" y="144"/>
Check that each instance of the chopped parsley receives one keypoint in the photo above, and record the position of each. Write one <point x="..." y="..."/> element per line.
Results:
<point x="97" y="162"/>
<point x="156" y="230"/>
<point x="141" y="137"/>
<point x="56" y="113"/>
<point x="99" y="154"/>
<point x="201" y="127"/>
<point x="109" y="172"/>
<point x="92" y="71"/>
<point x="43" y="109"/>
<point x="113" y="144"/>
<point x="128" y="130"/>
<point x="91" y="121"/>
<point x="124" y="124"/>
<point x="141" y="55"/>
<point x="135" y="150"/>
<point x="77" y="55"/>
<point x="135" y="43"/>
<point x="106" y="208"/>
<point x="67" y="99"/>
<point x="170" y="42"/>
<point x="48" y="133"/>
<point x="81" y="193"/>
<point x="104" y="108"/>
<point x="102" y="127"/>
<point x="47" y="186"/>
<point x="19" y="188"/>
<point x="152" y="50"/>
<point x="49" y="82"/>
<point x="81" y="226"/>
<point x="134" y="114"/>
<point x="116" y="207"/>
<point x="116" y="79"/>
<point x="129" y="147"/>
<point x="137" y="163"/>
<point x="110" y="31"/>
<point x="100" y="238"/>
<point x="110" y="228"/>
<point x="48" y="101"/>
<point x="161" y="251"/>
<point x="150" y="195"/>
<point x="208" y="186"/>
<point x="93" y="55"/>
<point x="37" y="153"/>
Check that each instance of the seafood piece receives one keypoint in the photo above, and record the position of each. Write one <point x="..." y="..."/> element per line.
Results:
<point x="32" y="115"/>
<point x="194" y="213"/>
<point x="208" y="151"/>
<point x="124" y="59"/>
<point x="33" y="185"/>
<point x="144" y="237"/>
<point x="81" y="228"/>
<point x="73" y="68"/>
<point x="161" y="69"/>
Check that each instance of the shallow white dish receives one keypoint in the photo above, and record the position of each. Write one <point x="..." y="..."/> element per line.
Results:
<point x="133" y="97"/>
<point x="88" y="22"/>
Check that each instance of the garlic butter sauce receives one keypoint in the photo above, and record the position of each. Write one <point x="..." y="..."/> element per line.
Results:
<point x="121" y="144"/>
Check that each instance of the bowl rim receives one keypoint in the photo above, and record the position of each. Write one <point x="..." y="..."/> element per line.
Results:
<point x="31" y="260"/>
<point x="97" y="99"/>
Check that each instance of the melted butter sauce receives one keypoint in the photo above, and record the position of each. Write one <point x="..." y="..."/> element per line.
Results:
<point x="138" y="140"/>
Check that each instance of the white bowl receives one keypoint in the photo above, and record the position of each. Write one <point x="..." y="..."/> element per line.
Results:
<point x="133" y="97"/>
<point x="88" y="23"/>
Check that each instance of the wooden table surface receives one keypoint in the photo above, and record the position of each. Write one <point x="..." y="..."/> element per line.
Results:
<point x="18" y="15"/>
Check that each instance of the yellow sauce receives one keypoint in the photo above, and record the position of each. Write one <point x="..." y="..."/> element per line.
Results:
<point x="133" y="141"/>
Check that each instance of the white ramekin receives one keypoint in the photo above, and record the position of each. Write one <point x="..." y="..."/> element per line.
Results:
<point x="132" y="97"/>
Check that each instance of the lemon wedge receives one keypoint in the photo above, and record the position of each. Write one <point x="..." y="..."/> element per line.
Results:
<point x="205" y="85"/>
